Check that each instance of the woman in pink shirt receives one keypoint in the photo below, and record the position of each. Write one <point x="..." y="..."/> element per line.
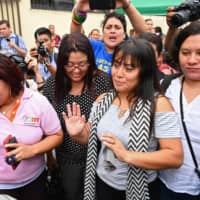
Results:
<point x="29" y="122"/>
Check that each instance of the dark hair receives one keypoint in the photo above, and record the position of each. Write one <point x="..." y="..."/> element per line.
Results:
<point x="154" y="39"/>
<point x="94" y="29"/>
<point x="74" y="42"/>
<point x="142" y="54"/>
<point x="118" y="16"/>
<point x="11" y="74"/>
<point x="158" y="29"/>
<point x="192" y="29"/>
<point x="42" y="31"/>
<point x="148" y="19"/>
<point x="3" y="21"/>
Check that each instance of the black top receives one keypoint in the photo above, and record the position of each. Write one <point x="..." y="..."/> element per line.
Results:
<point x="70" y="150"/>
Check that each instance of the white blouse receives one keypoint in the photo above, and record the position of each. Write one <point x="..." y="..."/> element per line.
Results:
<point x="184" y="179"/>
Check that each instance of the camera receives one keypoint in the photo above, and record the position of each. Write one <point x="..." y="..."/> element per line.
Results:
<point x="20" y="62"/>
<point x="187" y="11"/>
<point x="102" y="4"/>
<point x="42" y="49"/>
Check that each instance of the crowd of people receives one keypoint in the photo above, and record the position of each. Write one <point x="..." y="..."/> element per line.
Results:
<point x="115" y="115"/>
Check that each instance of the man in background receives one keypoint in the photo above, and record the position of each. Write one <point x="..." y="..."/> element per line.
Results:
<point x="95" y="34"/>
<point x="44" y="52"/>
<point x="55" y="37"/>
<point x="149" y="23"/>
<point x="10" y="43"/>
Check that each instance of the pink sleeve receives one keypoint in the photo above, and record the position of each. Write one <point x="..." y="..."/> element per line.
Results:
<point x="50" y="122"/>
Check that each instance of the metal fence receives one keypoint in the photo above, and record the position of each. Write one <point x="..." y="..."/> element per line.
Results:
<point x="9" y="10"/>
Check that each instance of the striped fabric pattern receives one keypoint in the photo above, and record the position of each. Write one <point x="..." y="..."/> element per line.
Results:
<point x="137" y="188"/>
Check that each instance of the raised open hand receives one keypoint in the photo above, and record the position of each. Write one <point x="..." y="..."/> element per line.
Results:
<point x="74" y="121"/>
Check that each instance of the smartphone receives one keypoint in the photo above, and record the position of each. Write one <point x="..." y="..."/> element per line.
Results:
<point x="7" y="39"/>
<point x="9" y="159"/>
<point x="102" y="4"/>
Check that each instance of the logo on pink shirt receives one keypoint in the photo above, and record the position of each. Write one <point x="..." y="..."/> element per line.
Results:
<point x="33" y="121"/>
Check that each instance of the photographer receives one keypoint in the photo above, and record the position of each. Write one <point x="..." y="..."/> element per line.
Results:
<point x="44" y="52"/>
<point x="10" y="43"/>
<point x="179" y="15"/>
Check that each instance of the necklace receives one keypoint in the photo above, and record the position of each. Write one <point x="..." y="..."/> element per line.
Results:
<point x="122" y="112"/>
<point x="13" y="106"/>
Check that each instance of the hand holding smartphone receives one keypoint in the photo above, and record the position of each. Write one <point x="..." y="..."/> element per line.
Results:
<point x="102" y="4"/>
<point x="11" y="160"/>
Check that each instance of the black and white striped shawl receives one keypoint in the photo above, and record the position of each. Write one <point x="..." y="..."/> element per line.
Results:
<point x="137" y="184"/>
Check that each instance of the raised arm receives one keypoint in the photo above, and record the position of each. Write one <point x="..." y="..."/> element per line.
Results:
<point x="80" y="10"/>
<point x="172" y="31"/>
<point x="79" y="15"/>
<point x="133" y="14"/>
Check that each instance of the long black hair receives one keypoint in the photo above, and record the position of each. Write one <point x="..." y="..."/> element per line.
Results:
<point x="142" y="55"/>
<point x="73" y="42"/>
<point x="11" y="74"/>
<point x="192" y="29"/>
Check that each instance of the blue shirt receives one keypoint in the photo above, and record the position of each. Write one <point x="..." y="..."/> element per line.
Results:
<point x="43" y="69"/>
<point x="5" y="48"/>
<point x="102" y="57"/>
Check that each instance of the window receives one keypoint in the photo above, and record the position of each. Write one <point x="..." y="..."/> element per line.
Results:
<point x="52" y="4"/>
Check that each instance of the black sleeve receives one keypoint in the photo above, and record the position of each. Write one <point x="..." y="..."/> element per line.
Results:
<point x="49" y="89"/>
<point x="103" y="83"/>
<point x="167" y="80"/>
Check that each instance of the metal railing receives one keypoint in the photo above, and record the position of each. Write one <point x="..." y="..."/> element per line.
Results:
<point x="9" y="10"/>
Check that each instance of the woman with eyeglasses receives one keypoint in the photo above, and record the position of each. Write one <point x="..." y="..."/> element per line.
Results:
<point x="77" y="80"/>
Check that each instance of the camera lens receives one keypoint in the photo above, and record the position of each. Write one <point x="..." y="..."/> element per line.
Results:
<point x="42" y="49"/>
<point x="180" y="18"/>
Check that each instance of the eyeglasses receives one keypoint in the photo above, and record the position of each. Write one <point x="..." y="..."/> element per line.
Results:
<point x="80" y="65"/>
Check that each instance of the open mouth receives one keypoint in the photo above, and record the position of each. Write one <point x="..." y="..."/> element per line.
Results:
<point x="113" y="38"/>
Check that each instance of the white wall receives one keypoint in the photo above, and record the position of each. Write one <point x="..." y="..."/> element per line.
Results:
<point x="31" y="19"/>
